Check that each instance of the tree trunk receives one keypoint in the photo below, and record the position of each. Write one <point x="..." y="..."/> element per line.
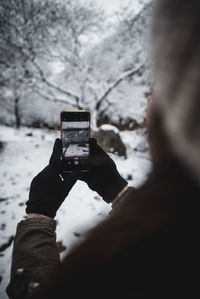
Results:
<point x="17" y="115"/>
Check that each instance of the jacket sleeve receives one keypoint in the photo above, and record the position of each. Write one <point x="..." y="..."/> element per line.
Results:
<point x="35" y="255"/>
<point x="121" y="198"/>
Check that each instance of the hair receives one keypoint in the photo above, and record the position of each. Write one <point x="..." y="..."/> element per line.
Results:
<point x="176" y="60"/>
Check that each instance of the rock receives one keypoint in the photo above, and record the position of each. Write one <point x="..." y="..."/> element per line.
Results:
<point x="3" y="226"/>
<point x="60" y="246"/>
<point x="3" y="199"/>
<point x="78" y="235"/>
<point x="129" y="177"/>
<point x="97" y="198"/>
<point x="30" y="134"/>
<point x="110" y="140"/>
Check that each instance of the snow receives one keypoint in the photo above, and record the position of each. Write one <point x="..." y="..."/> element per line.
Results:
<point x="109" y="128"/>
<point x="26" y="152"/>
<point x="67" y="125"/>
<point x="112" y="6"/>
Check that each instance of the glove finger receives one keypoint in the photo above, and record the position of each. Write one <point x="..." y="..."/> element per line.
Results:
<point x="92" y="141"/>
<point x="95" y="149"/>
<point x="73" y="176"/>
<point x="98" y="157"/>
<point x="84" y="177"/>
<point x="66" y="185"/>
<point x="92" y="144"/>
<point x="56" y="155"/>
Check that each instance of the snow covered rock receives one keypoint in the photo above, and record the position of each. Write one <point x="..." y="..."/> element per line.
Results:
<point x="108" y="137"/>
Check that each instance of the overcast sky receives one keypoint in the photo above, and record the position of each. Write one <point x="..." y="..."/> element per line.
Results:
<point x="110" y="6"/>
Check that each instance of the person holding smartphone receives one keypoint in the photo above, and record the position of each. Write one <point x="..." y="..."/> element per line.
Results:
<point x="148" y="246"/>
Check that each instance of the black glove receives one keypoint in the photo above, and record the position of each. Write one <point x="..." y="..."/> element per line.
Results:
<point x="51" y="186"/>
<point x="103" y="176"/>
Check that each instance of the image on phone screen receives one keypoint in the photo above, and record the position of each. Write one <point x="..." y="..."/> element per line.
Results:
<point x="75" y="139"/>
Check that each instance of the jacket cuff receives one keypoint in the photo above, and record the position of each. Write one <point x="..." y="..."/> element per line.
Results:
<point x="35" y="222"/>
<point x="121" y="195"/>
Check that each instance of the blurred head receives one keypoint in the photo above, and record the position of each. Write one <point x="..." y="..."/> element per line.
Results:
<point x="176" y="58"/>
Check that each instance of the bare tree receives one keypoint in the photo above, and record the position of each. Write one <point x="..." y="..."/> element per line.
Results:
<point x="22" y="31"/>
<point x="35" y="34"/>
<point x="27" y="30"/>
<point x="71" y="47"/>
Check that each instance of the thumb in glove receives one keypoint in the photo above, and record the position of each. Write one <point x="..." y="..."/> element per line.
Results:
<point x="103" y="176"/>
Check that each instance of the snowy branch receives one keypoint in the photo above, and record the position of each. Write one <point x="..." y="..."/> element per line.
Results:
<point x="124" y="76"/>
<point x="52" y="99"/>
<point x="67" y="92"/>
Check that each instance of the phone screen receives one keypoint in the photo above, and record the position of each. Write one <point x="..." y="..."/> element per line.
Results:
<point x="75" y="139"/>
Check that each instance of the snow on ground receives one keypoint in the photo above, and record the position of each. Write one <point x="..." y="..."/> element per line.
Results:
<point x="26" y="152"/>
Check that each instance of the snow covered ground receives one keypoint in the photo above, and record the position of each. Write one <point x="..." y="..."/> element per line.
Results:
<point x="25" y="153"/>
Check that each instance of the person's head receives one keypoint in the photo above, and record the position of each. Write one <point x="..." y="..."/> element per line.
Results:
<point x="176" y="60"/>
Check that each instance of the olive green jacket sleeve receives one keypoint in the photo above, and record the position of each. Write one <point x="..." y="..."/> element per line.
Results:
<point x="35" y="255"/>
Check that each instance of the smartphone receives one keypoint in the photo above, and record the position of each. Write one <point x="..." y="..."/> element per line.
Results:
<point x="75" y="135"/>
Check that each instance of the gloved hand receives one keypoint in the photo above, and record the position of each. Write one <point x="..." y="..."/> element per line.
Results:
<point x="102" y="176"/>
<point x="48" y="189"/>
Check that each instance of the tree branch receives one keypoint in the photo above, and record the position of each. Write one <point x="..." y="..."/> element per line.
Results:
<point x="63" y="91"/>
<point x="116" y="83"/>
<point x="56" y="100"/>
